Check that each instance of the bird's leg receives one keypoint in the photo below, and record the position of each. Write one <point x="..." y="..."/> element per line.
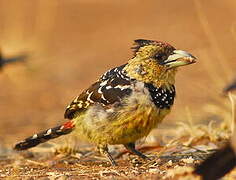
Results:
<point x="104" y="150"/>
<point x="131" y="147"/>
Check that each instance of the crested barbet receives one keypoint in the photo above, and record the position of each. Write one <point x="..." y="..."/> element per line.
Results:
<point x="125" y="103"/>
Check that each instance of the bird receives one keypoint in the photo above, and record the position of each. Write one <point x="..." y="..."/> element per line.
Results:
<point x="4" y="61"/>
<point x="125" y="103"/>
<point x="223" y="160"/>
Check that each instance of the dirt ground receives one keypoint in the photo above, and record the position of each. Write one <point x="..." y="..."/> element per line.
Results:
<point x="71" y="43"/>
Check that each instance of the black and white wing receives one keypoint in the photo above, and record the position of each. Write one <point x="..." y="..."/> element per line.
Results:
<point x="112" y="87"/>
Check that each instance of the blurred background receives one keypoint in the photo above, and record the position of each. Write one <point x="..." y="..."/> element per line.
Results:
<point x="71" y="43"/>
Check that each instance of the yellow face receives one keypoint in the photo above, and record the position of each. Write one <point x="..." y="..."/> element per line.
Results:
<point x="164" y="54"/>
<point x="156" y="62"/>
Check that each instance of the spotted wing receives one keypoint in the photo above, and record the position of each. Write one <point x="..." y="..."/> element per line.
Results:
<point x="109" y="89"/>
<point x="115" y="72"/>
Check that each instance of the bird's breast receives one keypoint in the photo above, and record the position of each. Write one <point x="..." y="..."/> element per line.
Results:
<point x="133" y="119"/>
<point x="140" y="115"/>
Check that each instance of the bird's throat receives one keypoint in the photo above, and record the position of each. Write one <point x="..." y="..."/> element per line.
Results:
<point x="149" y="71"/>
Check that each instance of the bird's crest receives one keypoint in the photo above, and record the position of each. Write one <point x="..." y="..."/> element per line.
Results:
<point x="138" y="43"/>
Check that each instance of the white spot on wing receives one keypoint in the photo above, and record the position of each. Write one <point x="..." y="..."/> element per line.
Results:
<point x="79" y="105"/>
<point x="89" y="98"/>
<point x="100" y="90"/>
<point x="35" y="136"/>
<point x="103" y="83"/>
<point x="122" y="87"/>
<point x="48" y="132"/>
<point x="76" y="99"/>
<point x="86" y="104"/>
<point x="103" y="98"/>
<point x="108" y="87"/>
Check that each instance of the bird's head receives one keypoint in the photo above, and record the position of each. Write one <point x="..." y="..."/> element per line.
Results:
<point x="163" y="53"/>
<point x="157" y="61"/>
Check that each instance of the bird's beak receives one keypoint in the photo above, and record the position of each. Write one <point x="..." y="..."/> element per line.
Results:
<point x="179" y="58"/>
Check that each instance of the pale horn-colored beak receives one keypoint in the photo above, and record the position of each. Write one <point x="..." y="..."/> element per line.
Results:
<point x="179" y="58"/>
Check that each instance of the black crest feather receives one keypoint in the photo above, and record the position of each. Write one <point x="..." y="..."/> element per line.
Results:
<point x="140" y="43"/>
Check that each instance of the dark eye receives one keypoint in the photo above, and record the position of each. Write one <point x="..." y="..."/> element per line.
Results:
<point x="160" y="57"/>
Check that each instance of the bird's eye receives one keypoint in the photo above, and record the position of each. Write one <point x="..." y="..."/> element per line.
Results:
<point x="160" y="57"/>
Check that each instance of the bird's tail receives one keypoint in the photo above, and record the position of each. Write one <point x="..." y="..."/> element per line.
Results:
<point x="44" y="136"/>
